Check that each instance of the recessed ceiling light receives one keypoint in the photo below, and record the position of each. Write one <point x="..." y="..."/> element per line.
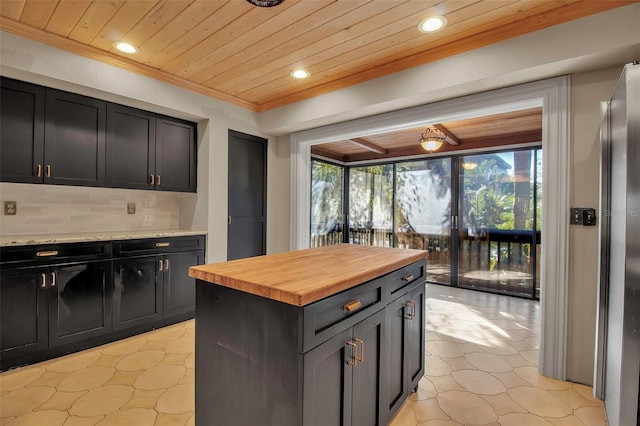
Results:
<point x="432" y="24"/>
<point x="300" y="74"/>
<point x="125" y="47"/>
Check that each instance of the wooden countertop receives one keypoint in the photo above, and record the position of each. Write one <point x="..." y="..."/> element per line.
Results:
<point x="305" y="276"/>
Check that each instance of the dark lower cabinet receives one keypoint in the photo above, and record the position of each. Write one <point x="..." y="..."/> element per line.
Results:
<point x="44" y="307"/>
<point x="179" y="290"/>
<point x="137" y="291"/>
<point x="79" y="301"/>
<point x="23" y="311"/>
<point x="405" y="337"/>
<point x="150" y="288"/>
<point x="323" y="364"/>
<point x="61" y="298"/>
<point x="342" y="377"/>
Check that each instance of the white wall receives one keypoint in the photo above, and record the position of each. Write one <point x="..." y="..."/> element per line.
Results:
<point x="37" y="63"/>
<point x="587" y="90"/>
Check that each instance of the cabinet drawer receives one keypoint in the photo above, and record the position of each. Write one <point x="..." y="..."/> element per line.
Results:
<point x="158" y="245"/>
<point x="402" y="280"/>
<point x="329" y="316"/>
<point x="55" y="253"/>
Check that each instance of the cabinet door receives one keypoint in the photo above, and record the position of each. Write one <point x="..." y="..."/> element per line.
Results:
<point x="367" y="374"/>
<point x="394" y="375"/>
<point x="328" y="382"/>
<point x="404" y="366"/>
<point x="21" y="132"/>
<point x="80" y="301"/>
<point x="137" y="295"/>
<point x="23" y="311"/>
<point x="179" y="290"/>
<point x="75" y="130"/>
<point x="131" y="141"/>
<point x="175" y="155"/>
<point x="415" y="336"/>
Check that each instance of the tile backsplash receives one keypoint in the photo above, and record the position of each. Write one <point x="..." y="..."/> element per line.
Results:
<point x="54" y="209"/>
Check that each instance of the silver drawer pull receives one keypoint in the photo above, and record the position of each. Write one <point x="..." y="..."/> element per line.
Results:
<point x="411" y="305"/>
<point x="407" y="278"/>
<point x="352" y="306"/>
<point x="47" y="253"/>
<point x="163" y="244"/>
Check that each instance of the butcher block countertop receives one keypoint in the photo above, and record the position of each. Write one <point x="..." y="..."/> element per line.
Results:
<point x="306" y="276"/>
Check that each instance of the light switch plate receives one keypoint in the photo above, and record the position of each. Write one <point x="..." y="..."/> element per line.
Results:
<point x="10" y="208"/>
<point x="576" y="216"/>
<point x="131" y="208"/>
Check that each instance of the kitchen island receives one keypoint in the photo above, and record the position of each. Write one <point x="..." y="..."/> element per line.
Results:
<point x="319" y="337"/>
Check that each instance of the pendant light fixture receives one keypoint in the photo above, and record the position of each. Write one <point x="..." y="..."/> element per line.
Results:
<point x="432" y="139"/>
<point x="265" y="3"/>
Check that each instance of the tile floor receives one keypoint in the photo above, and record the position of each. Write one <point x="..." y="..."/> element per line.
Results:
<point x="482" y="351"/>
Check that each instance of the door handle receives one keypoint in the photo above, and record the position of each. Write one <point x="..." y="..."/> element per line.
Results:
<point x="53" y="279"/>
<point x="166" y="264"/>
<point x="43" y="283"/>
<point x="158" y="180"/>
<point x="39" y="170"/>
<point x="160" y="265"/>
<point x="228" y="220"/>
<point x="411" y="306"/>
<point x="153" y="179"/>
<point x="354" y="354"/>
<point x="48" y="170"/>
<point x="361" y="357"/>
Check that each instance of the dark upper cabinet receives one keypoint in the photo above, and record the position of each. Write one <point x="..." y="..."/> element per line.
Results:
<point x="52" y="136"/>
<point x="175" y="161"/>
<point x="148" y="151"/>
<point x="74" y="140"/>
<point x="131" y="147"/>
<point x="21" y="131"/>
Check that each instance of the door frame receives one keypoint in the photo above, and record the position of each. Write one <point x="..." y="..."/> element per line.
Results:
<point x="550" y="94"/>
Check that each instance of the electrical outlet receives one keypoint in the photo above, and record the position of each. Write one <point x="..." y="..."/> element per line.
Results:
<point x="131" y="208"/>
<point x="10" y="208"/>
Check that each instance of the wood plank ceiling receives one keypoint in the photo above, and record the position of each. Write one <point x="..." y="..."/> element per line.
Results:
<point x="239" y="53"/>
<point x="510" y="128"/>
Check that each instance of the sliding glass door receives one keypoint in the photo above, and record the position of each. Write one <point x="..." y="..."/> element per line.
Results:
<point x="498" y="226"/>
<point x="477" y="215"/>
<point x="423" y="213"/>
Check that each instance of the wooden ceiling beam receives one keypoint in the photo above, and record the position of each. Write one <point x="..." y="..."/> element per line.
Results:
<point x="452" y="139"/>
<point x="468" y="144"/>
<point x="369" y="145"/>
<point x="320" y="152"/>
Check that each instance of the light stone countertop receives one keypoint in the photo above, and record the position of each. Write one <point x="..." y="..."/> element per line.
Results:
<point x="25" y="240"/>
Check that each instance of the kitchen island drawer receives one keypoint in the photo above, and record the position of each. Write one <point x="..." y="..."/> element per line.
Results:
<point x="327" y="317"/>
<point x="402" y="280"/>
<point x="158" y="245"/>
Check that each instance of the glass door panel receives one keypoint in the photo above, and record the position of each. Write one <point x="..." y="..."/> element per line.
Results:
<point x="496" y="222"/>
<point x="423" y="213"/>
<point x="327" y="189"/>
<point x="371" y="205"/>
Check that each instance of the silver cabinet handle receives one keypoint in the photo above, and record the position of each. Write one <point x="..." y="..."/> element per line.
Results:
<point x="411" y="305"/>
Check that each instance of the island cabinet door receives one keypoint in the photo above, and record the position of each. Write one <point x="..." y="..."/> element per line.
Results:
<point x="328" y="382"/>
<point x="80" y="301"/>
<point x="369" y="339"/>
<point x="23" y="311"/>
<point x="404" y="327"/>
<point x="137" y="296"/>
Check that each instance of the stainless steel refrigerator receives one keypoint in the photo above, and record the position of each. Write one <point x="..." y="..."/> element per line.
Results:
<point x="617" y="372"/>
